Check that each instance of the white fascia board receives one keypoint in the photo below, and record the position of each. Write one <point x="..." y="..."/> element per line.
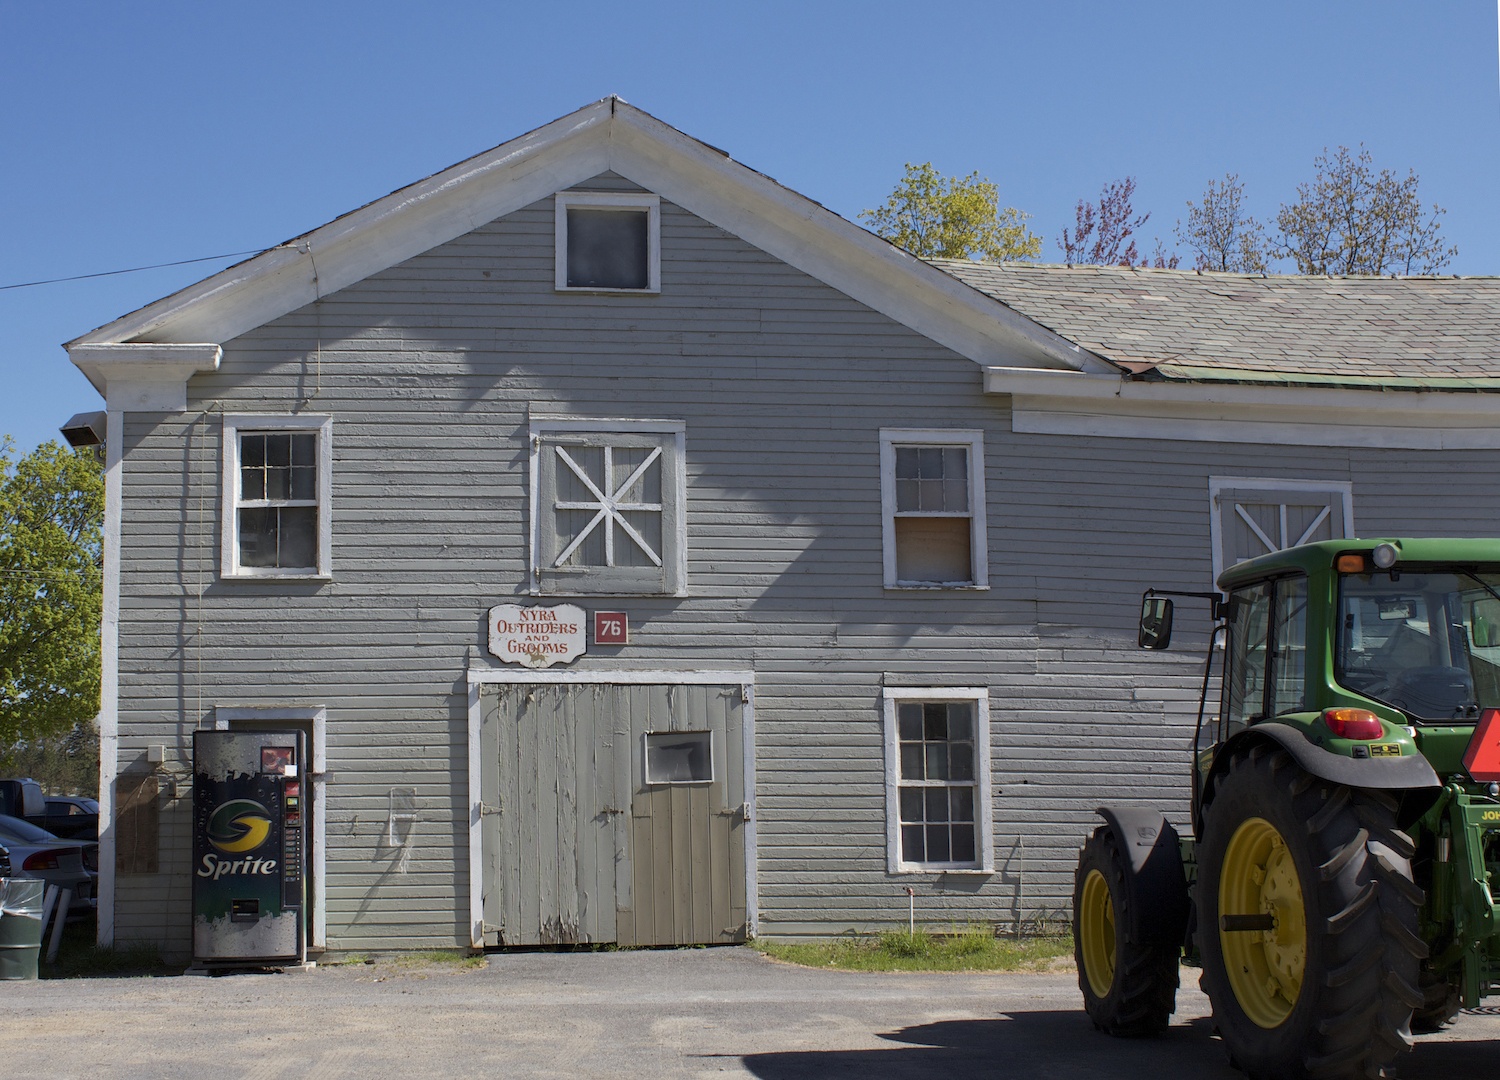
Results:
<point x="818" y="242"/>
<point x="378" y="236"/>
<point x="607" y="135"/>
<point x="141" y="377"/>
<point x="1060" y="403"/>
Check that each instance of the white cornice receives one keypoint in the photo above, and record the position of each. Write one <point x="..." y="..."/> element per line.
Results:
<point x="144" y="377"/>
<point x="607" y="135"/>
<point x="1070" y="403"/>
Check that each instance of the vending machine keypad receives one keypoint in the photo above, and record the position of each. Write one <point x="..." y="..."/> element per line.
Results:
<point x="292" y="839"/>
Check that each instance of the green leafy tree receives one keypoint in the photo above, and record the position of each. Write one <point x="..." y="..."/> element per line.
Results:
<point x="1221" y="233"/>
<point x="62" y="764"/>
<point x="51" y="543"/>
<point x="939" y="217"/>
<point x="1351" y="220"/>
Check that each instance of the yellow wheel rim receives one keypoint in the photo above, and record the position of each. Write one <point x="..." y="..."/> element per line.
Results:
<point x="1264" y="966"/>
<point x="1096" y="931"/>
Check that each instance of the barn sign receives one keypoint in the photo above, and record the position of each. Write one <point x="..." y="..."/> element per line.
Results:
<point x="538" y="637"/>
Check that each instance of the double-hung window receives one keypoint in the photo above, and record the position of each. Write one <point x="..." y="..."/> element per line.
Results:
<point x="607" y="507"/>
<point x="938" y="813"/>
<point x="276" y="496"/>
<point x="932" y="508"/>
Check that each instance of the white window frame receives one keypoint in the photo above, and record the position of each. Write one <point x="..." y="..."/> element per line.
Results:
<point x="1219" y="484"/>
<point x="234" y="424"/>
<point x="646" y="780"/>
<point x="674" y="527"/>
<point x="609" y="200"/>
<point x="979" y="555"/>
<point x="983" y="804"/>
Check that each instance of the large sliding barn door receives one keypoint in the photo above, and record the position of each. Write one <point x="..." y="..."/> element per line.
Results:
<point x="579" y="846"/>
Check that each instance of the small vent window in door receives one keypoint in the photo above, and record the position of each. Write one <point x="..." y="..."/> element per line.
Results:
<point x="679" y="757"/>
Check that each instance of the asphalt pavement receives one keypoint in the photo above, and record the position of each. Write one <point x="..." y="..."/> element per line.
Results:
<point x="717" y="1012"/>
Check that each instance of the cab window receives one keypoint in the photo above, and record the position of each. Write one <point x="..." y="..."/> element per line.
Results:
<point x="1289" y="655"/>
<point x="1245" y="680"/>
<point x="1267" y="653"/>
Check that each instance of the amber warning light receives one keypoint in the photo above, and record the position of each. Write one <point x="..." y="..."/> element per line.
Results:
<point x="1482" y="758"/>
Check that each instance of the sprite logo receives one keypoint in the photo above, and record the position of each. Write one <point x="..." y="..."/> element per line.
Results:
<point x="238" y="826"/>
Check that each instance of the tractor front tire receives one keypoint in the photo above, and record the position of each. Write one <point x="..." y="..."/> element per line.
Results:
<point x="1441" y="1005"/>
<point x="1328" y="989"/>
<point x="1128" y="990"/>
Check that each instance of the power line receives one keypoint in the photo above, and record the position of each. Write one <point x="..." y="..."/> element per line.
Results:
<point x="132" y="270"/>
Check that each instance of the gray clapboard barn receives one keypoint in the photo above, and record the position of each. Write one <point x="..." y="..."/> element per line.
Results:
<point x="817" y="564"/>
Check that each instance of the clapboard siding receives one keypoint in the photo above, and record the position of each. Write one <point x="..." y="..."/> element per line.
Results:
<point x="431" y="370"/>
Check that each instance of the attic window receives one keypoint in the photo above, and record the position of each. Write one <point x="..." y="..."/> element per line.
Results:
<point x="608" y="242"/>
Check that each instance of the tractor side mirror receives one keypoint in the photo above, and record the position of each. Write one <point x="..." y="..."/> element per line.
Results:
<point x="1156" y="623"/>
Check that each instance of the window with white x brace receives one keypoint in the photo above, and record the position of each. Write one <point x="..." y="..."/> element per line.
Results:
<point x="607" y="507"/>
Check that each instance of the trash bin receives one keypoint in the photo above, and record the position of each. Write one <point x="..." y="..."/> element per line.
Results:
<point x="20" y="927"/>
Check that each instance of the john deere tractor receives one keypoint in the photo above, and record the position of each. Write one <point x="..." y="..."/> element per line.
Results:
<point x="1345" y="815"/>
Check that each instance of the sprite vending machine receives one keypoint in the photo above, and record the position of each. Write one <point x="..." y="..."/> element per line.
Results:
<point x="249" y="831"/>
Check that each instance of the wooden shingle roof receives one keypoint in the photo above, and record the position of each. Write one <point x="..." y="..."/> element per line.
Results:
<point x="1181" y="324"/>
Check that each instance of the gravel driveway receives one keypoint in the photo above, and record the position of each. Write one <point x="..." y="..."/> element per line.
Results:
<point x="671" y="1013"/>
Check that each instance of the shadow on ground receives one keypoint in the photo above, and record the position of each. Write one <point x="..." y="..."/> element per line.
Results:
<point x="1064" y="1046"/>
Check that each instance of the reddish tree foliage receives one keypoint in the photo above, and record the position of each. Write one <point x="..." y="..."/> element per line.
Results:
<point x="1102" y="236"/>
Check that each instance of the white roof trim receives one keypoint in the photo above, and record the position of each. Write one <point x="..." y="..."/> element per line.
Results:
<point x="607" y="135"/>
<point x="1069" y="403"/>
<point x="142" y="377"/>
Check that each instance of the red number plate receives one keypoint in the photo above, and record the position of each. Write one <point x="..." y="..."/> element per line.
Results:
<point x="611" y="628"/>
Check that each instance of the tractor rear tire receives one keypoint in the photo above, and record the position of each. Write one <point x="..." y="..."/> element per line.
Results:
<point x="1328" y="991"/>
<point x="1128" y="990"/>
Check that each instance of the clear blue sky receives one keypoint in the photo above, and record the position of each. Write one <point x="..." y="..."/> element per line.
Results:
<point x="147" y="132"/>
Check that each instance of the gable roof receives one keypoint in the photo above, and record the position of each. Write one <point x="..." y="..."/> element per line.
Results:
<point x="1408" y="332"/>
<point x="608" y="135"/>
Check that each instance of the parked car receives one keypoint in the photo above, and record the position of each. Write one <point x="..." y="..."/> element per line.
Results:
<point x="69" y="864"/>
<point x="4" y="861"/>
<point x="71" y="817"/>
<point x="67" y="817"/>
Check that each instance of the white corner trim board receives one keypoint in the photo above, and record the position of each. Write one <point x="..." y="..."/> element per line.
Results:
<point x="1071" y="403"/>
<point x="478" y="677"/>
<point x="109" y="672"/>
<point x="607" y="135"/>
<point x="139" y="377"/>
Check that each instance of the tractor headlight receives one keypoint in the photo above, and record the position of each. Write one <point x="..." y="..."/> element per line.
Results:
<point x="1384" y="555"/>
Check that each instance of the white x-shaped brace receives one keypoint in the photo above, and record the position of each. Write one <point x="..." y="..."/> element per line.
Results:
<point x="610" y="509"/>
<point x="1271" y="544"/>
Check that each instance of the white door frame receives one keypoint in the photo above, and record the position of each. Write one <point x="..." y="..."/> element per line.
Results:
<point x="478" y="677"/>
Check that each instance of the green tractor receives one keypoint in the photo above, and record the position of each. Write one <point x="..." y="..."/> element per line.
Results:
<point x="1345" y="815"/>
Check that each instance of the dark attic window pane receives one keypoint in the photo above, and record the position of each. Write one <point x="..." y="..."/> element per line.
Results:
<point x="607" y="249"/>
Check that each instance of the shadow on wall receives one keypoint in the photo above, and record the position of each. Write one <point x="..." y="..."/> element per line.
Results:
<point x="1062" y="1045"/>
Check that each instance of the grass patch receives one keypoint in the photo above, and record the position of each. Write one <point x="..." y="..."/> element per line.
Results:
<point x="964" y="950"/>
<point x="457" y="957"/>
<point x="78" y="957"/>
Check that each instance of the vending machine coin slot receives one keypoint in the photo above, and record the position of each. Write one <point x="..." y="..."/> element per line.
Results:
<point x="244" y="910"/>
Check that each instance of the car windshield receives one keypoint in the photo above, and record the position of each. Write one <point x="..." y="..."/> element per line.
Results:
<point x="1427" y="643"/>
<point x="23" y="831"/>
